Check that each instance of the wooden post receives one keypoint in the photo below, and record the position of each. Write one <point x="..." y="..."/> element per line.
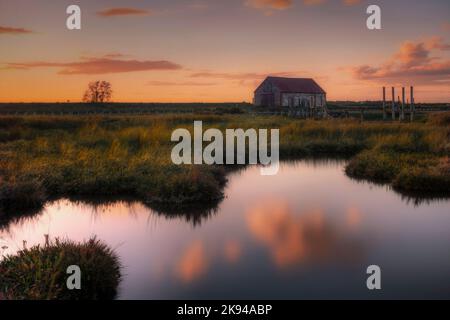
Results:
<point x="384" y="103"/>
<point x="393" y="103"/>
<point x="402" y="116"/>
<point x="362" y="114"/>
<point x="412" y="108"/>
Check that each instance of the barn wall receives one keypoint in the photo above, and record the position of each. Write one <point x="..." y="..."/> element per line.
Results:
<point x="318" y="100"/>
<point x="264" y="89"/>
<point x="277" y="95"/>
<point x="257" y="100"/>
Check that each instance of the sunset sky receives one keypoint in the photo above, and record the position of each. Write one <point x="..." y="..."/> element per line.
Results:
<point x="216" y="50"/>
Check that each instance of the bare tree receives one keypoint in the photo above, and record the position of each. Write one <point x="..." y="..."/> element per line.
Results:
<point x="98" y="91"/>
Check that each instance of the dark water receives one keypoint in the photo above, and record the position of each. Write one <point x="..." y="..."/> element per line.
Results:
<point x="308" y="232"/>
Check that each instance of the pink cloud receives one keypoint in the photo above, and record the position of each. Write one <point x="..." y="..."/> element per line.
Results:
<point x="102" y="65"/>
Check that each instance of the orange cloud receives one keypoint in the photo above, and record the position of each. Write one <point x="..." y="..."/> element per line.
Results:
<point x="102" y="65"/>
<point x="17" y="31"/>
<point x="412" y="54"/>
<point x="193" y="262"/>
<point x="114" y="12"/>
<point x="414" y="59"/>
<point x="267" y="6"/>
<point x="352" y="2"/>
<point x="438" y="43"/>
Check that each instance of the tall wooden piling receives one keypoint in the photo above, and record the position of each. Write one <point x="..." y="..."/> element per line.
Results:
<point x="412" y="107"/>
<point x="402" y="114"/>
<point x="393" y="103"/>
<point x="384" y="103"/>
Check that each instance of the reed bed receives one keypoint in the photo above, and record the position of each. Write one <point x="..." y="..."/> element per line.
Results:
<point x="46" y="157"/>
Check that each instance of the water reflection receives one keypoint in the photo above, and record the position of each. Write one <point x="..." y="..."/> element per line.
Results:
<point x="308" y="232"/>
<point x="353" y="217"/>
<point x="17" y="217"/>
<point x="191" y="213"/>
<point x="193" y="262"/>
<point x="415" y="198"/>
<point x="294" y="238"/>
<point x="232" y="251"/>
<point x="196" y="213"/>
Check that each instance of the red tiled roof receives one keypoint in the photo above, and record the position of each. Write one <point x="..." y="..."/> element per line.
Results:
<point x="298" y="85"/>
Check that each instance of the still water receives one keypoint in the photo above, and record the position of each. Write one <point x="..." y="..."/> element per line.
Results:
<point x="308" y="232"/>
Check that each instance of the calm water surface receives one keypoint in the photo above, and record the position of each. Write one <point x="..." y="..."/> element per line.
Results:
<point x="308" y="232"/>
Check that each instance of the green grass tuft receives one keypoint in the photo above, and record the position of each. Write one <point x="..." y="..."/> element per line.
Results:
<point x="39" y="273"/>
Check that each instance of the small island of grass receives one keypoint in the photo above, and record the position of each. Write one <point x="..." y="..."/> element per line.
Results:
<point x="40" y="272"/>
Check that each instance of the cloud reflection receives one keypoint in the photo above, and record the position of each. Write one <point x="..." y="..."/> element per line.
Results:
<point x="354" y="218"/>
<point x="294" y="238"/>
<point x="193" y="263"/>
<point x="233" y="251"/>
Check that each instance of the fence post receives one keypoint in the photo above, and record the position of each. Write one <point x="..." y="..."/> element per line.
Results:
<point x="393" y="103"/>
<point x="402" y="117"/>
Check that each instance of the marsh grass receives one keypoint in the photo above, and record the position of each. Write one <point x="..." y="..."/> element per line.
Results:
<point x="39" y="273"/>
<point x="45" y="157"/>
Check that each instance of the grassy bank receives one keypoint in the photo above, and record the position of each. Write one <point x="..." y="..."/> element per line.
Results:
<point x="47" y="157"/>
<point x="414" y="160"/>
<point x="39" y="273"/>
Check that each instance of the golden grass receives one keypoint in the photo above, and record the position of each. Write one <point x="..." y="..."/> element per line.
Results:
<point x="48" y="157"/>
